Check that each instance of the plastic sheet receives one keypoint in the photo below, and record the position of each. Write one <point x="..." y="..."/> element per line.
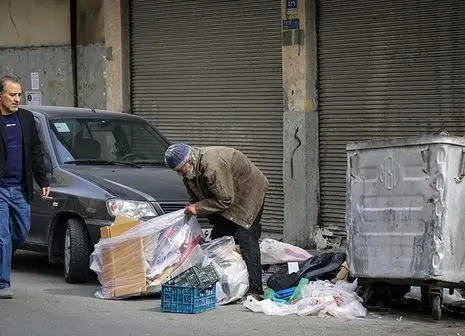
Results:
<point x="141" y="259"/>
<point x="274" y="252"/>
<point x="415" y="294"/>
<point x="318" y="297"/>
<point x="234" y="278"/>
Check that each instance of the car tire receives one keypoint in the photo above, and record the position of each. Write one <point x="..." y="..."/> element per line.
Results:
<point x="76" y="252"/>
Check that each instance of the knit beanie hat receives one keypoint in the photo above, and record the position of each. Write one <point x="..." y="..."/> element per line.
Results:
<point x="177" y="155"/>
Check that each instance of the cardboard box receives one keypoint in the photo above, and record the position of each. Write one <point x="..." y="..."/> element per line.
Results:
<point x="123" y="263"/>
<point x="120" y="226"/>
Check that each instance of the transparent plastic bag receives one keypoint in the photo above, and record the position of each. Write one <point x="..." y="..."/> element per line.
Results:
<point x="140" y="260"/>
<point x="349" y="310"/>
<point x="318" y="297"/>
<point x="345" y="302"/>
<point x="234" y="277"/>
<point x="274" y="252"/>
<point x="415" y="294"/>
<point x="269" y="307"/>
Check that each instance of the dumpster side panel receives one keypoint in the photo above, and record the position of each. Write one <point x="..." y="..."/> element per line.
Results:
<point x="389" y="220"/>
<point x="405" y="210"/>
<point x="452" y="262"/>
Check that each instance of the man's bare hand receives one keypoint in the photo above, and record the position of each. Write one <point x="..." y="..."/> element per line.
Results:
<point x="190" y="210"/>
<point x="45" y="192"/>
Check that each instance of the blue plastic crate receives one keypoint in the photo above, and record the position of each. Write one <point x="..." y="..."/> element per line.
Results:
<point x="188" y="300"/>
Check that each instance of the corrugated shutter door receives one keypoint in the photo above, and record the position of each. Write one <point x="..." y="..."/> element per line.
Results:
<point x="386" y="68"/>
<point x="210" y="73"/>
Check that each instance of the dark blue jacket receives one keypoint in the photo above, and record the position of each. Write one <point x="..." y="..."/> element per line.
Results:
<point x="33" y="154"/>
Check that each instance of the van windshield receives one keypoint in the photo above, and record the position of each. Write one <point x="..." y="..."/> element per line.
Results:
<point x="106" y="140"/>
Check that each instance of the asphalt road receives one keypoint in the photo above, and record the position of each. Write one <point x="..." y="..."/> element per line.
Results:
<point x="45" y="305"/>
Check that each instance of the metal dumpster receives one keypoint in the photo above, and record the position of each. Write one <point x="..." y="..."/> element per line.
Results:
<point x="405" y="212"/>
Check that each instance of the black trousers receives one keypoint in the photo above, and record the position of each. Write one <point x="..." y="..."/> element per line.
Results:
<point x="248" y="242"/>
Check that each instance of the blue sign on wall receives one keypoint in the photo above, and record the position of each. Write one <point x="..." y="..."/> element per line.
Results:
<point x="290" y="24"/>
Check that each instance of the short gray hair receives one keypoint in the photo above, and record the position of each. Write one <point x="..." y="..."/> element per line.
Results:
<point x="8" y="78"/>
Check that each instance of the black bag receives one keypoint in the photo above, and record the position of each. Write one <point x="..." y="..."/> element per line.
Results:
<point x="318" y="267"/>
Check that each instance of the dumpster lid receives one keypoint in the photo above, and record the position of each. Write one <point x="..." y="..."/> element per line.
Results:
<point x="406" y="141"/>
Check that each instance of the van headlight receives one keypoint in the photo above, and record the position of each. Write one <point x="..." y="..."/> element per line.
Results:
<point x="127" y="208"/>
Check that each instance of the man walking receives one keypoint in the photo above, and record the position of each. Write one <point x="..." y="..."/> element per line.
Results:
<point x="21" y="159"/>
<point x="225" y="186"/>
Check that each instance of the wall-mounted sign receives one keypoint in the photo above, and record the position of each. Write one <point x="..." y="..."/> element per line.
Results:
<point x="34" y="98"/>
<point x="290" y="24"/>
<point x="35" y="83"/>
<point x="291" y="7"/>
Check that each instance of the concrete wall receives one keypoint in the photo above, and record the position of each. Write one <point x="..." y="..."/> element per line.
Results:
<point x="26" y="23"/>
<point x="51" y="63"/>
<point x="301" y="186"/>
<point x="35" y="38"/>
<point x="91" y="54"/>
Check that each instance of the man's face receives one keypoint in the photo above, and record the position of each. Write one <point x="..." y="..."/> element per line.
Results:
<point x="10" y="97"/>
<point x="186" y="171"/>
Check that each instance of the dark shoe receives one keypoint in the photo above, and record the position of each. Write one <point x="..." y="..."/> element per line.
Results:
<point x="256" y="294"/>
<point x="6" y="293"/>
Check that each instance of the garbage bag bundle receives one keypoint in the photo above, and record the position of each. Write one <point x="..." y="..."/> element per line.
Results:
<point x="318" y="267"/>
<point x="234" y="278"/>
<point x="317" y="297"/>
<point x="140" y="260"/>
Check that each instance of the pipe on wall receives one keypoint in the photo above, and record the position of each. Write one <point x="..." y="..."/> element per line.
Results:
<point x="73" y="7"/>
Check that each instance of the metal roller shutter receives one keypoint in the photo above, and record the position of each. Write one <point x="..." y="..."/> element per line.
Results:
<point x="386" y="68"/>
<point x="210" y="73"/>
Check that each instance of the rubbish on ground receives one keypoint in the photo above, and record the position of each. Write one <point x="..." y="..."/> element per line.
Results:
<point x="415" y="294"/>
<point x="136" y="258"/>
<point x="322" y="267"/>
<point x="343" y="273"/>
<point x="298" y="290"/>
<point x="268" y="271"/>
<point x="318" y="297"/>
<point x="275" y="252"/>
<point x="286" y="295"/>
<point x="231" y="268"/>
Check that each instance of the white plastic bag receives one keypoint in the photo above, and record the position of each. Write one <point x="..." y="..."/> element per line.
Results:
<point x="313" y="305"/>
<point x="350" y="310"/>
<point x="415" y="294"/>
<point x="274" y="252"/>
<point x="234" y="278"/>
<point x="269" y="307"/>
<point x="318" y="297"/>
<point x="340" y="300"/>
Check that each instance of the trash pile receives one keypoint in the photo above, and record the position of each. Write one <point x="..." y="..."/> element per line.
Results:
<point x="136" y="258"/>
<point x="303" y="284"/>
<point x="311" y="298"/>
<point x="168" y="255"/>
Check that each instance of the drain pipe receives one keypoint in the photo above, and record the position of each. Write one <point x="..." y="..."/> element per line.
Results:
<point x="73" y="31"/>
